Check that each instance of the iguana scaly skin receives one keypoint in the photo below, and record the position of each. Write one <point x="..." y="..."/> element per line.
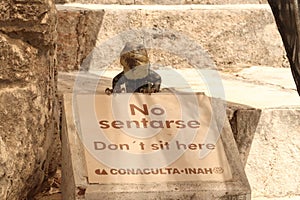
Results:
<point x="136" y="75"/>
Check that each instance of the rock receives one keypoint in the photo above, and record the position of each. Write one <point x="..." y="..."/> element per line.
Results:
<point x="29" y="140"/>
<point x="77" y="35"/>
<point x="243" y="121"/>
<point x="229" y="34"/>
<point x="273" y="163"/>
<point x="20" y="67"/>
<point x="31" y="22"/>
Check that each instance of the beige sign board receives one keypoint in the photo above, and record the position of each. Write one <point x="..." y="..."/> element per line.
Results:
<point x="138" y="138"/>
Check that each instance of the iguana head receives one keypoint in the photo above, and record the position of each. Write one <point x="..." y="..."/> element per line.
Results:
<point x="135" y="61"/>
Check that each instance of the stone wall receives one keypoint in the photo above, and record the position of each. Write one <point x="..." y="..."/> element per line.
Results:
<point x="273" y="161"/>
<point x="234" y="36"/>
<point x="77" y="34"/>
<point x="28" y="123"/>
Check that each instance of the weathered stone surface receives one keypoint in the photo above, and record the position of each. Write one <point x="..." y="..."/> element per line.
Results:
<point x="24" y="146"/>
<point x="273" y="163"/>
<point x="234" y="36"/>
<point x="165" y="2"/>
<point x="74" y="173"/>
<point x="243" y="121"/>
<point x="77" y="34"/>
<point x="19" y="68"/>
<point x="28" y="123"/>
<point x="29" y="22"/>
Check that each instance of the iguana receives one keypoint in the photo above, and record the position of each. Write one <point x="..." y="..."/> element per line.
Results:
<point x="136" y="75"/>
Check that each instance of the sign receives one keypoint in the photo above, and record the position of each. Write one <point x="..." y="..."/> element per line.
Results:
<point x="140" y="138"/>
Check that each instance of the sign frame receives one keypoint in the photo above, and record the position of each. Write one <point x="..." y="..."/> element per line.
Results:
<point x="76" y="186"/>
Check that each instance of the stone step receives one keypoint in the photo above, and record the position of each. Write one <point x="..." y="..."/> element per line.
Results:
<point x="229" y="37"/>
<point x="258" y="86"/>
<point x="164" y="2"/>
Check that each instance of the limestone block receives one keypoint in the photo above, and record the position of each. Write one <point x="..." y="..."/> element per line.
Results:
<point x="74" y="174"/>
<point x="29" y="137"/>
<point x="31" y="22"/>
<point x="77" y="34"/>
<point x="243" y="121"/>
<point x="25" y="140"/>
<point x="234" y="36"/>
<point x="231" y="35"/>
<point x="273" y="163"/>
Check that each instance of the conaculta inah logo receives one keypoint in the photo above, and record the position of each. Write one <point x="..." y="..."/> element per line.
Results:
<point x="127" y="130"/>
